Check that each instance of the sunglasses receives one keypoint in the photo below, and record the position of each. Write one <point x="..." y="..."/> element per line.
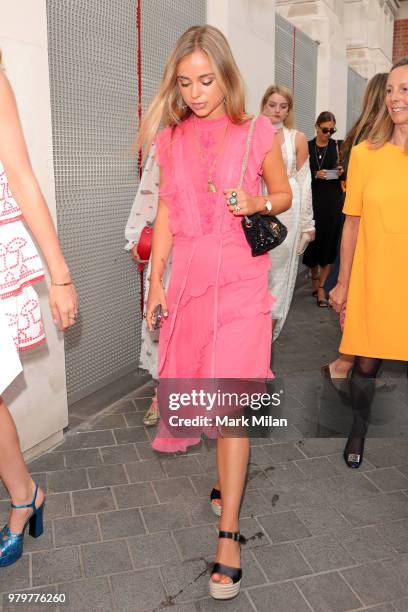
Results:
<point x="328" y="130"/>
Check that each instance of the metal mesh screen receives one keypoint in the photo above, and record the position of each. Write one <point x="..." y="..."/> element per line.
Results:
<point x="296" y="68"/>
<point x="93" y="74"/>
<point x="93" y="77"/>
<point x="163" y="21"/>
<point x="356" y="86"/>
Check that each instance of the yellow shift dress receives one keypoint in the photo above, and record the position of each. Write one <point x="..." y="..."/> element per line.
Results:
<point x="376" y="323"/>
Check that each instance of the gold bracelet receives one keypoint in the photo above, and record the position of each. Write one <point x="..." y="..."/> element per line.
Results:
<point x="61" y="284"/>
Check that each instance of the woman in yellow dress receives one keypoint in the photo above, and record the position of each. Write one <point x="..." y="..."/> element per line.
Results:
<point x="373" y="254"/>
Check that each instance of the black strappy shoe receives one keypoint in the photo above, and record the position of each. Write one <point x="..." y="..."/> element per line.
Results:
<point x="323" y="303"/>
<point x="229" y="590"/>
<point x="216" y="508"/>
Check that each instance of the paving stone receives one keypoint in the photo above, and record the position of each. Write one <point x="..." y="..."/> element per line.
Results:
<point x="67" y="480"/>
<point x="182" y="466"/>
<point x="375" y="583"/>
<point x="253" y="504"/>
<point x="134" y="419"/>
<point x="143" y="471"/>
<point x="83" y="458"/>
<point x="91" y="594"/>
<point x="91" y="439"/>
<point x="283" y="527"/>
<point x="279" y="598"/>
<point x="319" y="447"/>
<point x="121" y="523"/>
<point x="93" y="500"/>
<point x="106" y="558"/>
<point x="344" y="489"/>
<point x="121" y="407"/>
<point x="401" y="605"/>
<point x="203" y="483"/>
<point x="165" y="517"/>
<point x="388" y="479"/>
<point x="107" y="475"/>
<point x="259" y="454"/>
<point x="379" y="509"/>
<point x="110" y="421"/>
<point x="322" y="519"/>
<point x="173" y="488"/>
<point x="123" y="453"/>
<point x="281" y="562"/>
<point x="319" y="467"/>
<point x="283" y="451"/>
<point x="134" y="495"/>
<point x="328" y="593"/>
<point x="75" y="530"/>
<point x="138" y="591"/>
<point x="152" y="550"/>
<point x="56" y="505"/>
<point x="396" y="534"/>
<point x="198" y="510"/>
<point x="15" y="577"/>
<point x="47" y="463"/>
<point x="367" y="543"/>
<point x="145" y="451"/>
<point x="386" y="456"/>
<point x="324" y="553"/>
<point x="195" y="542"/>
<point x="127" y="435"/>
<point x="285" y="474"/>
<point x="238" y="604"/>
<point x="186" y="581"/>
<point x="53" y="566"/>
<point x="45" y="542"/>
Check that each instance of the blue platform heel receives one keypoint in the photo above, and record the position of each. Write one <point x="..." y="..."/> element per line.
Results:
<point x="11" y="544"/>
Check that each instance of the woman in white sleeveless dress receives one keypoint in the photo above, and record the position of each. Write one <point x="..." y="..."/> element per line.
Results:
<point x="277" y="105"/>
<point x="21" y="326"/>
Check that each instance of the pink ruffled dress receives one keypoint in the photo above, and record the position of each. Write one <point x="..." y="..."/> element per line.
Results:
<point x="219" y="323"/>
<point x="21" y="325"/>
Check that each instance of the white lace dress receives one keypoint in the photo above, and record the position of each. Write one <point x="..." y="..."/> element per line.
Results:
<point x="143" y="212"/>
<point x="21" y="325"/>
<point x="298" y="220"/>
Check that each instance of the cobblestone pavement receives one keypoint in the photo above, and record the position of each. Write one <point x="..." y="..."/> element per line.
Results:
<point x="130" y="529"/>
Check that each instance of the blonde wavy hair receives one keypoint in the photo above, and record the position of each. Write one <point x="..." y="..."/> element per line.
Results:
<point x="383" y="127"/>
<point x="373" y="102"/>
<point x="167" y="106"/>
<point x="287" y="94"/>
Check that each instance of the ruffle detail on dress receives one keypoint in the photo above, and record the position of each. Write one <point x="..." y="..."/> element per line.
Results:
<point x="9" y="209"/>
<point x="24" y="319"/>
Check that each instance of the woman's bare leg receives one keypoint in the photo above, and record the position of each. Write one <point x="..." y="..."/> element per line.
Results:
<point x="232" y="465"/>
<point x="14" y="472"/>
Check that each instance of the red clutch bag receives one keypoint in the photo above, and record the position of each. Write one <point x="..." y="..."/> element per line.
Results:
<point x="143" y="251"/>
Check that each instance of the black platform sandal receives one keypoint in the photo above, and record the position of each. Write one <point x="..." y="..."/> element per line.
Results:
<point x="216" y="508"/>
<point x="231" y="589"/>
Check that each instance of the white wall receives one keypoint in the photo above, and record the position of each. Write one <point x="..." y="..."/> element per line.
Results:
<point x="249" y="26"/>
<point x="38" y="397"/>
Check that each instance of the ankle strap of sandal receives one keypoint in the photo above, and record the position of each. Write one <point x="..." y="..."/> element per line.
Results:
<point x="30" y="505"/>
<point x="232" y="535"/>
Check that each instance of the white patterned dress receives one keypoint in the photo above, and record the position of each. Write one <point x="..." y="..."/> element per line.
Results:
<point x="21" y="325"/>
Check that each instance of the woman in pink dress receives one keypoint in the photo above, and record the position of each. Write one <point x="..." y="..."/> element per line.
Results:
<point x="21" y="325"/>
<point x="217" y="310"/>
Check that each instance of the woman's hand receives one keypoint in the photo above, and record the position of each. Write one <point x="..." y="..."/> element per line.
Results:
<point x="245" y="203"/>
<point x="63" y="302"/>
<point x="156" y="296"/>
<point x="136" y="257"/>
<point x="339" y="170"/>
<point x="320" y="174"/>
<point x="338" y="296"/>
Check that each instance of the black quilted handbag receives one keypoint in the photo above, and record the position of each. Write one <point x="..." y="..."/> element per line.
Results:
<point x="263" y="233"/>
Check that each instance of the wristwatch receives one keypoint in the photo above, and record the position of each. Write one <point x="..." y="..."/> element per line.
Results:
<point x="268" y="207"/>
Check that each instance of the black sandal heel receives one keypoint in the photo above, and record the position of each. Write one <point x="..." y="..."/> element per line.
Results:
<point x="231" y="589"/>
<point x="216" y="508"/>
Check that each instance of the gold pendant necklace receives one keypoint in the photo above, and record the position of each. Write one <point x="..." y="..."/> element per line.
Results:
<point x="211" y="186"/>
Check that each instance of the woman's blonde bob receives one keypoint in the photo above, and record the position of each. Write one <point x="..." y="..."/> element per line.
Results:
<point x="285" y="93"/>
<point x="167" y="106"/>
<point x="383" y="127"/>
